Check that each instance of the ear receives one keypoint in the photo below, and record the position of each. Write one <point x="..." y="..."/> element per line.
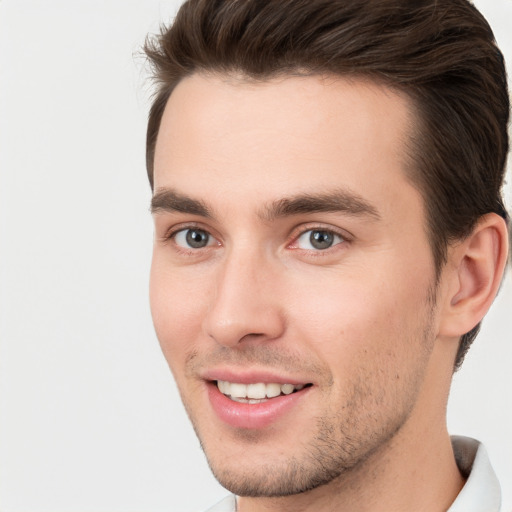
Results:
<point x="474" y="271"/>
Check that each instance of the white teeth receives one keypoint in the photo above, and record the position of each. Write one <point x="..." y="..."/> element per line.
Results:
<point x="273" y="390"/>
<point x="257" y="392"/>
<point x="223" y="386"/>
<point x="238" y="390"/>
<point x="287" y="388"/>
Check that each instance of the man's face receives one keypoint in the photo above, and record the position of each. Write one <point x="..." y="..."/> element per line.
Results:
<point x="291" y="263"/>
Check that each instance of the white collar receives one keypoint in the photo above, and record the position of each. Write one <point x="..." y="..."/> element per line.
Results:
<point x="482" y="492"/>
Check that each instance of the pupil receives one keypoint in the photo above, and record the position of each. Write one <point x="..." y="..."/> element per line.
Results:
<point x="321" y="239"/>
<point x="197" y="238"/>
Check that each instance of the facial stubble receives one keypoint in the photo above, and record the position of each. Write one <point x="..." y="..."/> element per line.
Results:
<point x="345" y="439"/>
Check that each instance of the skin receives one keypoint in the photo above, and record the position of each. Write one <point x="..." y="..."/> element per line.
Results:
<point x="362" y="321"/>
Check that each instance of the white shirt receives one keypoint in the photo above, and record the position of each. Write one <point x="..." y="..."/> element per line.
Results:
<point x="481" y="492"/>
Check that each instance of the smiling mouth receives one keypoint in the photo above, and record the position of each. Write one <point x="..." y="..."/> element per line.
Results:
<point x="258" y="392"/>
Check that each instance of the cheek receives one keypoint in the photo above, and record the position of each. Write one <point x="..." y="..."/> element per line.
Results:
<point x="365" y="317"/>
<point x="177" y="311"/>
<point x="372" y="339"/>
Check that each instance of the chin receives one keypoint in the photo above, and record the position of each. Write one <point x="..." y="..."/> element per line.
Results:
<point x="255" y="471"/>
<point x="274" y="480"/>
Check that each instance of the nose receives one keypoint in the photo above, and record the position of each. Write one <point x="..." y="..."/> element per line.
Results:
<point x="245" y="305"/>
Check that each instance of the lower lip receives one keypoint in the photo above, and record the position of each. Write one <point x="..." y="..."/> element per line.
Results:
<point x="252" y="416"/>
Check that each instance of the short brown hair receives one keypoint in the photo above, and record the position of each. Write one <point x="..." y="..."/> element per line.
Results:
<point x="442" y="54"/>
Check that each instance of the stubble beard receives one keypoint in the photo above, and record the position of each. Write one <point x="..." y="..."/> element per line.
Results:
<point x="345" y="439"/>
<point x="340" y="447"/>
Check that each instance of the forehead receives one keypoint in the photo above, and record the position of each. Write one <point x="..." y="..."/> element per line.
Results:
<point x="285" y="136"/>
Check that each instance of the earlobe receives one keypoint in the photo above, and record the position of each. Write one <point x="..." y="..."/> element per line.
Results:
<point x="478" y="263"/>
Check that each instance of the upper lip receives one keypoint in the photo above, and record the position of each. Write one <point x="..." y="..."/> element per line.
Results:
<point x="250" y="376"/>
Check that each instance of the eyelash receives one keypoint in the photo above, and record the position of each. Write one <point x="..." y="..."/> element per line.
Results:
<point x="303" y="229"/>
<point x="297" y="233"/>
<point x="170" y="236"/>
<point x="329" y="232"/>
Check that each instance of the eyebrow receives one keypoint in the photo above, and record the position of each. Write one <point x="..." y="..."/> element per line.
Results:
<point x="340" y="200"/>
<point x="169" y="200"/>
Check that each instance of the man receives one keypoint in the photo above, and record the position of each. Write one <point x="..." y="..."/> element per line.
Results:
<point x="329" y="233"/>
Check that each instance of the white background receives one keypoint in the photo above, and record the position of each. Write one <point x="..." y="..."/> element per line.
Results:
<point x="89" y="416"/>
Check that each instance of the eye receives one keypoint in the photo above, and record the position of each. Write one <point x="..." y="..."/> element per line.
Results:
<point x="317" y="239"/>
<point x="193" y="238"/>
